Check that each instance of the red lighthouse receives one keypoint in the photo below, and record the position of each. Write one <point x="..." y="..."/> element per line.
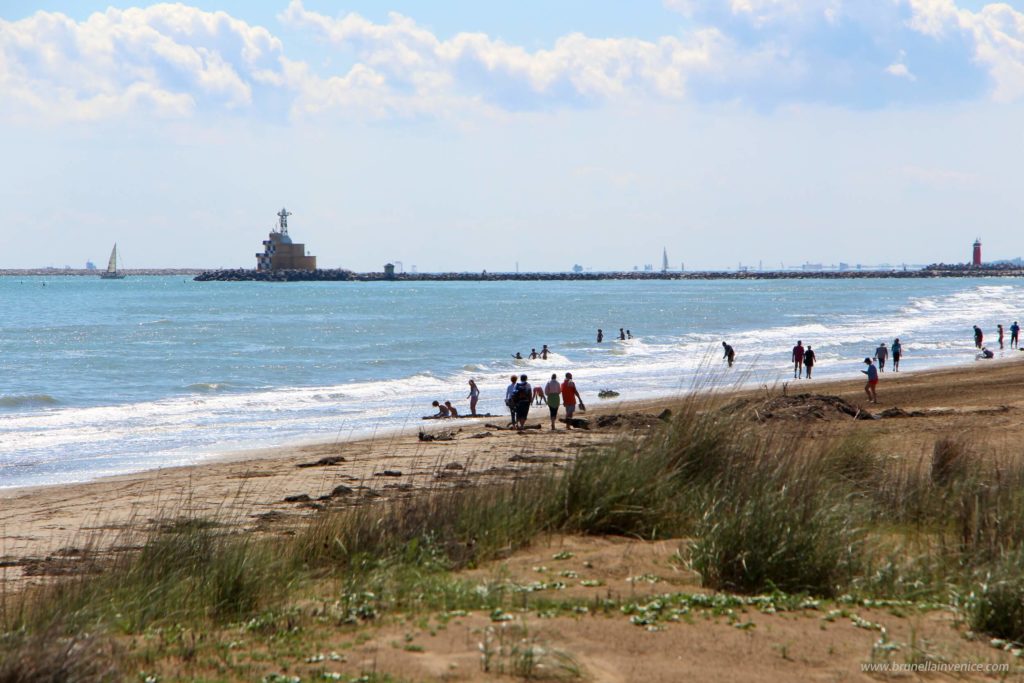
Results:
<point x="977" y="253"/>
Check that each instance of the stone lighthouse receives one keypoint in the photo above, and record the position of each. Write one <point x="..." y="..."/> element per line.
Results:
<point x="976" y="261"/>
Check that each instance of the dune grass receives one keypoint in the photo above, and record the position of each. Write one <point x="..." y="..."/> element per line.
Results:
<point x="764" y="512"/>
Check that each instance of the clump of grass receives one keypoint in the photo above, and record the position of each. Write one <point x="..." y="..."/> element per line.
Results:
<point x="950" y="460"/>
<point x="776" y="536"/>
<point x="995" y="604"/>
<point x="55" y="658"/>
<point x="187" y="571"/>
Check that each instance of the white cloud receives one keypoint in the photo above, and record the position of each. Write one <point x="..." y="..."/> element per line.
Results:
<point x="996" y="32"/>
<point x="166" y="59"/>
<point x="576" y="68"/>
<point x="899" y="69"/>
<point x="762" y="13"/>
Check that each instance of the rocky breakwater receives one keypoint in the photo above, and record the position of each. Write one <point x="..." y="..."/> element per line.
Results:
<point x="340" y="275"/>
<point x="247" y="275"/>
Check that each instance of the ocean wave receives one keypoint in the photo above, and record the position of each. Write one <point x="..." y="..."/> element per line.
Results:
<point x="28" y="400"/>
<point x="210" y="387"/>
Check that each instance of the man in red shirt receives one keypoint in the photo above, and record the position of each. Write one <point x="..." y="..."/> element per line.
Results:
<point x="569" y="398"/>
<point x="798" y="360"/>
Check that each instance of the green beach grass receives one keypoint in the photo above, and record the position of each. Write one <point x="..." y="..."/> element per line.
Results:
<point x="758" y="513"/>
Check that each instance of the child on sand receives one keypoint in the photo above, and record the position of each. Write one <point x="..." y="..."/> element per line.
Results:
<point x="872" y="373"/>
<point x="442" y="410"/>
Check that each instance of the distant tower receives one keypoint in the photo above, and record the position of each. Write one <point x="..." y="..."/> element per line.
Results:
<point x="664" y="260"/>
<point x="283" y="215"/>
<point x="977" y="253"/>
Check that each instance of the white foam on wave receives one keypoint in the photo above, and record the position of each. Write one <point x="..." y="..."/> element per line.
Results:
<point x="212" y="419"/>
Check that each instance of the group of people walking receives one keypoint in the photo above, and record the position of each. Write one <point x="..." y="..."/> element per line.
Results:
<point x="519" y="395"/>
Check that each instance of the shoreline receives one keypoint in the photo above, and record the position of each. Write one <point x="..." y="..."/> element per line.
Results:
<point x="267" y="490"/>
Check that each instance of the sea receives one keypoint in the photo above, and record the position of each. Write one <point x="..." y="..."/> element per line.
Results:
<point x="103" y="377"/>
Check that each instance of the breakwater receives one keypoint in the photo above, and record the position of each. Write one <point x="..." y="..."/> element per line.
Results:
<point x="341" y="275"/>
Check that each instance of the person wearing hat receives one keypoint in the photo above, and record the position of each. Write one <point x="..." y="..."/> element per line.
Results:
<point x="872" y="373"/>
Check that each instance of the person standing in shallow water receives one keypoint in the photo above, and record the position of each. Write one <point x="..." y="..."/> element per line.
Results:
<point x="474" y="396"/>
<point x="809" y="360"/>
<point x="1014" y="334"/>
<point x="999" y="329"/>
<point x="979" y="337"/>
<point x="897" y="353"/>
<point x="730" y="353"/>
<point x="622" y="334"/>
<point x="600" y="335"/>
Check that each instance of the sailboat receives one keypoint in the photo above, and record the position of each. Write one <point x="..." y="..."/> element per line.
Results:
<point x="112" y="273"/>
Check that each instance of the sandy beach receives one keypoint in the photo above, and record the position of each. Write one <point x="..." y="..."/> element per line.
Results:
<point x="271" y="490"/>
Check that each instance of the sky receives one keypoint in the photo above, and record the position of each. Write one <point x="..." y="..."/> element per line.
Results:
<point x="459" y="135"/>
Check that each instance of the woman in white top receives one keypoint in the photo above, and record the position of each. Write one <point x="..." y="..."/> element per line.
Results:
<point x="474" y="396"/>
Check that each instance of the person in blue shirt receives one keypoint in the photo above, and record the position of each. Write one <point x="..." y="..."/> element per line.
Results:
<point x="872" y="373"/>
<point x="1014" y="334"/>
<point x="897" y="352"/>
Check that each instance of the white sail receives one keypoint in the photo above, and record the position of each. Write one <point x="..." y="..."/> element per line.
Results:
<point x="112" y="263"/>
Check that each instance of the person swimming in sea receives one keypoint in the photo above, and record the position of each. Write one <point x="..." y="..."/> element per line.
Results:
<point x="622" y="334"/>
<point x="629" y="335"/>
<point x="518" y="356"/>
<point x="600" y="335"/>
<point x="544" y="352"/>
<point x="533" y="354"/>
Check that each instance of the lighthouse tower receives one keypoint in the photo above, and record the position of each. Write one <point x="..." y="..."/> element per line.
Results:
<point x="976" y="262"/>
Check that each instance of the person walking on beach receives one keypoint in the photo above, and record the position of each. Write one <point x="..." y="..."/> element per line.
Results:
<point x="872" y="373"/>
<point x="979" y="337"/>
<point x="730" y="353"/>
<point x="474" y="396"/>
<point x="522" y="396"/>
<point x="553" y="392"/>
<point x="897" y="353"/>
<point x="570" y="395"/>
<point x="809" y="359"/>
<point x="600" y="335"/>
<point x="1014" y="334"/>
<point x="881" y="353"/>
<point x="510" y="399"/>
<point x="999" y="329"/>
<point x="798" y="360"/>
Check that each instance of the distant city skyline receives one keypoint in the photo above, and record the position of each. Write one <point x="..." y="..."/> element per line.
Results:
<point x="465" y="136"/>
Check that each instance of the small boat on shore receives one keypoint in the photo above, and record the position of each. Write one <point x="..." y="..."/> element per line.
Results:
<point x="112" y="273"/>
